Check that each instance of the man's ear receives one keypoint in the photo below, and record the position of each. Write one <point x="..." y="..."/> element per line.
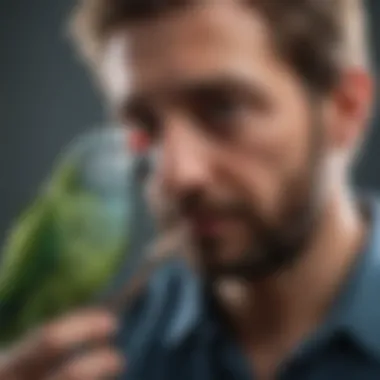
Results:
<point x="350" y="108"/>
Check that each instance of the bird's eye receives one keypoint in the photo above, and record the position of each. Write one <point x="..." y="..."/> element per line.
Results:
<point x="139" y="140"/>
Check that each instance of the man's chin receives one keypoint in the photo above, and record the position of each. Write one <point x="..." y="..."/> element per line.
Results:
<point x="244" y="270"/>
<point x="213" y="259"/>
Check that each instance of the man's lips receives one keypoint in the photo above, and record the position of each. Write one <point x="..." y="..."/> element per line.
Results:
<point x="211" y="225"/>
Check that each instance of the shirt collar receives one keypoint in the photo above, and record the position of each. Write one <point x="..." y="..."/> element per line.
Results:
<point x="189" y="308"/>
<point x="357" y="309"/>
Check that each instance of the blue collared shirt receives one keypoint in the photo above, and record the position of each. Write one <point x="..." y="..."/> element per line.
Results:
<point x="170" y="335"/>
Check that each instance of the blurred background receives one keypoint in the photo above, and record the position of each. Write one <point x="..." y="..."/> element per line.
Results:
<point x="47" y="98"/>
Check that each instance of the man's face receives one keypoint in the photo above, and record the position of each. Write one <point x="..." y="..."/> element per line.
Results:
<point x="238" y="142"/>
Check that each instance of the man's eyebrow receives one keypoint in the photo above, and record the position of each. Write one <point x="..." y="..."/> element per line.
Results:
<point x="180" y="89"/>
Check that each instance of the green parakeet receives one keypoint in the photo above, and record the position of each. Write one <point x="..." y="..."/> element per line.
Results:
<point x="70" y="242"/>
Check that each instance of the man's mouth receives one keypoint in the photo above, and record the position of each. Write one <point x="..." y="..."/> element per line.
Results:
<point x="211" y="225"/>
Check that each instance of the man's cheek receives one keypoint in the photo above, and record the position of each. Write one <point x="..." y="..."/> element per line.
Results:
<point x="265" y="191"/>
<point x="257" y="181"/>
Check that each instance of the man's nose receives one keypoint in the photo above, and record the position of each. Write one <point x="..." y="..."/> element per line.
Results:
<point x="185" y="159"/>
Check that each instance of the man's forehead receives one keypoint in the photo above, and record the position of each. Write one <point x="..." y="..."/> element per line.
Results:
<point x="207" y="40"/>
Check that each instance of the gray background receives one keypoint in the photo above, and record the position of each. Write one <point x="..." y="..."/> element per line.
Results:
<point x="46" y="98"/>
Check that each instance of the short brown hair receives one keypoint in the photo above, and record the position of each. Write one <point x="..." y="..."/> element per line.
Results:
<point x="317" y="37"/>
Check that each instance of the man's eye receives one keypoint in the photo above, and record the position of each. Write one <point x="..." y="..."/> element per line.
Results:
<point x="143" y="118"/>
<point x="219" y="112"/>
<point x="148" y="122"/>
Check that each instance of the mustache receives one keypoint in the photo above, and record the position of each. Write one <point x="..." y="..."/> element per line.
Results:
<point x="193" y="205"/>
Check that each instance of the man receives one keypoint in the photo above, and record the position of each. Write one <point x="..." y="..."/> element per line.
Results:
<point x="254" y="111"/>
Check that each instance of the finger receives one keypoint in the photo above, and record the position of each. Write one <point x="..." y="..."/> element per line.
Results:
<point x="86" y="327"/>
<point x="104" y="363"/>
<point x="44" y="347"/>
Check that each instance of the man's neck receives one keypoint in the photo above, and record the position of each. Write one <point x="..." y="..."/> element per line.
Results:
<point x="284" y="308"/>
